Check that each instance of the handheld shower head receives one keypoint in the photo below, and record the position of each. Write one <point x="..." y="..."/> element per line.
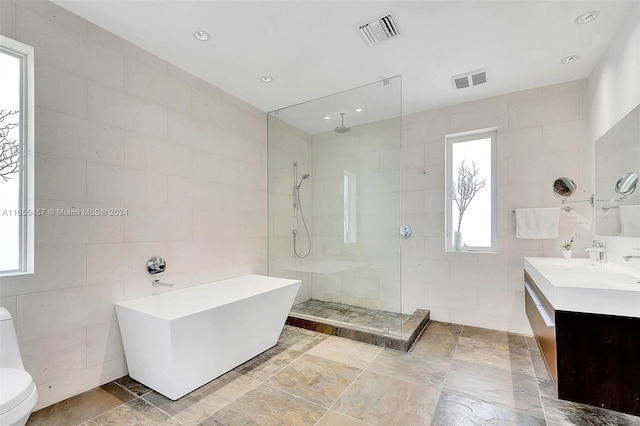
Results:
<point x="304" y="176"/>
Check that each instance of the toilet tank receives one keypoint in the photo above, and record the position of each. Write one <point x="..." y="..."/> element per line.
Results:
<point x="9" y="349"/>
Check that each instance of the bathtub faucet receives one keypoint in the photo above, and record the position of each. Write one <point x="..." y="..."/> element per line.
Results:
<point x="157" y="283"/>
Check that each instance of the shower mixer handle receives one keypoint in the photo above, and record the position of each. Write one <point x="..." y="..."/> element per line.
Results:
<point x="405" y="231"/>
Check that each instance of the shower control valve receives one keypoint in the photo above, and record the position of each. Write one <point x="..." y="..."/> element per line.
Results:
<point x="405" y="231"/>
<point x="156" y="265"/>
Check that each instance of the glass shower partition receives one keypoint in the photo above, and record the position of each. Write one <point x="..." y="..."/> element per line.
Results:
<point x="334" y="175"/>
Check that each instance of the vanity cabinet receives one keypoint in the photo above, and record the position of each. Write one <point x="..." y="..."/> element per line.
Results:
<point x="592" y="358"/>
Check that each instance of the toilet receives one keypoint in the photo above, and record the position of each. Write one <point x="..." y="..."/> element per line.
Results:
<point x="18" y="394"/>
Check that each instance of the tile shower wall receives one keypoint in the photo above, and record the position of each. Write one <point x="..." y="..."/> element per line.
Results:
<point x="119" y="128"/>
<point x="286" y="145"/>
<point x="365" y="272"/>
<point x="542" y="135"/>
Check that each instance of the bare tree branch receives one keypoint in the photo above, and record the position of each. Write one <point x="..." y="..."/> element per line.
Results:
<point x="466" y="188"/>
<point x="10" y="152"/>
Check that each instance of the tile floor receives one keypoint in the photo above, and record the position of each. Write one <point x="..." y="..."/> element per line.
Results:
<point x="454" y="375"/>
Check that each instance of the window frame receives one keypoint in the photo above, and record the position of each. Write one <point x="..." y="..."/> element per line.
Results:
<point x="450" y="140"/>
<point x="27" y="167"/>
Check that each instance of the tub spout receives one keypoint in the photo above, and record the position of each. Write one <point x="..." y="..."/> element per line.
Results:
<point x="157" y="283"/>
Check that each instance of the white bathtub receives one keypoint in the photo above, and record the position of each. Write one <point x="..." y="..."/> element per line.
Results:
<point x="177" y="341"/>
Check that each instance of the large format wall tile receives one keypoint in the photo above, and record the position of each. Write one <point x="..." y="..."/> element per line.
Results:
<point x="115" y="131"/>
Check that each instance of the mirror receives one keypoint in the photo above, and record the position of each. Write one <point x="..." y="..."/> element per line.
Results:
<point x="564" y="187"/>
<point x="617" y="169"/>
<point x="627" y="184"/>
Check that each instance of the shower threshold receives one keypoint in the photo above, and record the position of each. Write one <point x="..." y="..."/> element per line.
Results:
<point x="380" y="328"/>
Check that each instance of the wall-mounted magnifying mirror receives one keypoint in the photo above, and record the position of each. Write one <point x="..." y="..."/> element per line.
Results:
<point x="627" y="184"/>
<point x="564" y="187"/>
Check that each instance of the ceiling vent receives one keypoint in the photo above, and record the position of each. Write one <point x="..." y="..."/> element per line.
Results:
<point x="378" y="30"/>
<point x="469" y="79"/>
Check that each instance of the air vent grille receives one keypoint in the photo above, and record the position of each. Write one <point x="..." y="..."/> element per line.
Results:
<point x="479" y="78"/>
<point x="461" y="83"/>
<point x="473" y="78"/>
<point x="379" y="30"/>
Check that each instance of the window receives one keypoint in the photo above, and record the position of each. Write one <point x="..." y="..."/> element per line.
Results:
<point x="471" y="202"/>
<point x="16" y="157"/>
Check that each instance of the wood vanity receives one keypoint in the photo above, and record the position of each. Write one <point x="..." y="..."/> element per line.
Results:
<point x="587" y="325"/>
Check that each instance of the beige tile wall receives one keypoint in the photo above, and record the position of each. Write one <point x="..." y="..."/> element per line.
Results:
<point x="542" y="135"/>
<point x="119" y="128"/>
<point x="286" y="145"/>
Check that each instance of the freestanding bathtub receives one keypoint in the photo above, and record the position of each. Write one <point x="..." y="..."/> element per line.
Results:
<point x="177" y="341"/>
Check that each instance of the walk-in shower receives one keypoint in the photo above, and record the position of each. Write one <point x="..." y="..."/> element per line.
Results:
<point x="336" y="229"/>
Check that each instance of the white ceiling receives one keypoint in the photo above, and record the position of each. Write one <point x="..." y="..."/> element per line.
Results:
<point x="313" y="49"/>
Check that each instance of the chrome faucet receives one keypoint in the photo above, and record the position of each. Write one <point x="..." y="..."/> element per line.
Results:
<point x="628" y="258"/>
<point x="597" y="251"/>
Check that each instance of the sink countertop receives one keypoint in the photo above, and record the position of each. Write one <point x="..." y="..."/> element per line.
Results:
<point x="582" y="285"/>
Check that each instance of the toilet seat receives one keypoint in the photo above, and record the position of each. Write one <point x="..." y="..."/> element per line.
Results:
<point x="15" y="387"/>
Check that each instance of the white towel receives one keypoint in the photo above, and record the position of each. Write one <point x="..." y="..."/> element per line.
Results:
<point x="630" y="218"/>
<point x="537" y="223"/>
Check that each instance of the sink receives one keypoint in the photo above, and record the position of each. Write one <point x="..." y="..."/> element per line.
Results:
<point x="596" y="277"/>
<point x="582" y="285"/>
<point x="586" y="271"/>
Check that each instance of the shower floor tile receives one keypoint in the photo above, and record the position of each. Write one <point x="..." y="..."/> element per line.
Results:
<point x="376" y="327"/>
<point x="356" y="315"/>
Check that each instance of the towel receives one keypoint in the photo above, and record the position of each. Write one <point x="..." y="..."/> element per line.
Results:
<point x="630" y="218"/>
<point x="537" y="223"/>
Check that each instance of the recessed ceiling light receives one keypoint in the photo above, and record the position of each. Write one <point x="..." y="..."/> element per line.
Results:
<point x="201" y="35"/>
<point x="569" y="59"/>
<point x="326" y="117"/>
<point x="266" y="79"/>
<point x="358" y="109"/>
<point x="585" y="18"/>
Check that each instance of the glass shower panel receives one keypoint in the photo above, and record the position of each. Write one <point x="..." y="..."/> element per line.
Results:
<point x="335" y="187"/>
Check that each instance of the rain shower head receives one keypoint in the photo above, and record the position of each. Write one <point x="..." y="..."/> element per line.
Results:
<point x="342" y="128"/>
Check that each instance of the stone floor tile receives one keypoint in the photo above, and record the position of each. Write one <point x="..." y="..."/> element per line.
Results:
<point x="494" y="385"/>
<point x="459" y="410"/>
<point x="433" y="343"/>
<point x="268" y="363"/>
<point x="132" y="385"/>
<point x="509" y="357"/>
<point x="345" y="351"/>
<point x="315" y="379"/>
<point x="332" y="418"/>
<point x="134" y="413"/>
<point x="411" y="368"/>
<point x="82" y="407"/>
<point x="200" y="404"/>
<point x="266" y="406"/>
<point x="486" y="335"/>
<point x="444" y="328"/>
<point x="379" y="399"/>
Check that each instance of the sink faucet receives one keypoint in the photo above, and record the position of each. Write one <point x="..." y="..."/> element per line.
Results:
<point x="598" y="251"/>
<point x="628" y="258"/>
